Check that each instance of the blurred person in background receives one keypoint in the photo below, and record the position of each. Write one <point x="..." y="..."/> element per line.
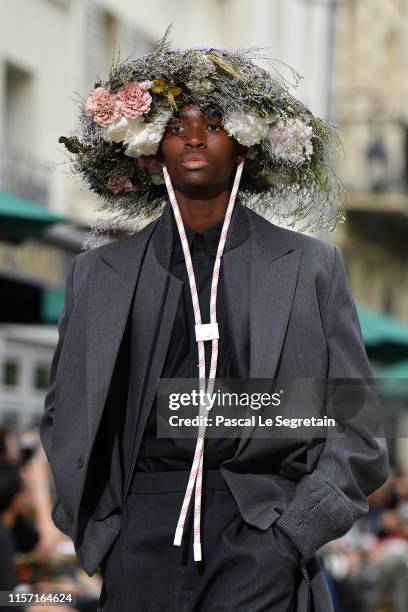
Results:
<point x="9" y="446"/>
<point x="369" y="565"/>
<point x="33" y="528"/>
<point x="25" y="522"/>
<point x="11" y="504"/>
<point x="400" y="484"/>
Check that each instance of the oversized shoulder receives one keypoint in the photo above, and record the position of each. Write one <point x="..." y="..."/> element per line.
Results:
<point x="84" y="262"/>
<point x="320" y="262"/>
<point x="315" y="251"/>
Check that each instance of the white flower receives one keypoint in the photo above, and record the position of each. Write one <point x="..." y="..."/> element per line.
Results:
<point x="247" y="129"/>
<point x="291" y="140"/>
<point x="117" y="130"/>
<point x="138" y="136"/>
<point x="143" y="139"/>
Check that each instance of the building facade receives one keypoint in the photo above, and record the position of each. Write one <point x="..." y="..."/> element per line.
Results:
<point x="371" y="89"/>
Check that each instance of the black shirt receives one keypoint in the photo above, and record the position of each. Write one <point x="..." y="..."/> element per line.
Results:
<point x="162" y="454"/>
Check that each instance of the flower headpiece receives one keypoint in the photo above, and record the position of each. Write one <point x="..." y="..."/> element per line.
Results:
<point x="288" y="169"/>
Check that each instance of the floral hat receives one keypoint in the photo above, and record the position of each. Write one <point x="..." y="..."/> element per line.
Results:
<point x="290" y="155"/>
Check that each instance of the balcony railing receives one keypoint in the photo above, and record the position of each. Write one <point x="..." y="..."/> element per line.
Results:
<point x="376" y="155"/>
<point x="24" y="176"/>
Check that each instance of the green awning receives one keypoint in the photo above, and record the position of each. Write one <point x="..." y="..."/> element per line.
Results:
<point x="393" y="381"/>
<point x="398" y="370"/>
<point x="23" y="218"/>
<point x="378" y="328"/>
<point x="52" y="304"/>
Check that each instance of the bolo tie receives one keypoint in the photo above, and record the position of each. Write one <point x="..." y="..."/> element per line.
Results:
<point x="203" y="332"/>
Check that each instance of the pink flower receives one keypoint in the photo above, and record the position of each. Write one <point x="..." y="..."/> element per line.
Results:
<point x="134" y="100"/>
<point x="151" y="163"/>
<point x="102" y="106"/>
<point x="120" y="184"/>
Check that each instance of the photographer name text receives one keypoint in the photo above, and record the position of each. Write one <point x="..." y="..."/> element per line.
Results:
<point x="250" y="421"/>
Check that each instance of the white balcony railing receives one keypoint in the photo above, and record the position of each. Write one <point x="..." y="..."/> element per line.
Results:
<point x="24" y="176"/>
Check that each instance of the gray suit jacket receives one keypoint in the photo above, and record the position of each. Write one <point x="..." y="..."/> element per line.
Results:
<point x="292" y="315"/>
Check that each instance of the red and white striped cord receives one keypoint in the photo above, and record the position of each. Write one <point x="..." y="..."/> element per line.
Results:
<point x="196" y="472"/>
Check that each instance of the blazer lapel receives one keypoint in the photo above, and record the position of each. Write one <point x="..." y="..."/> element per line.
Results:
<point x="274" y="266"/>
<point x="235" y="266"/>
<point x="113" y="284"/>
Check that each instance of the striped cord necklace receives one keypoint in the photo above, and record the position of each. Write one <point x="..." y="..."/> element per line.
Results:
<point x="203" y="332"/>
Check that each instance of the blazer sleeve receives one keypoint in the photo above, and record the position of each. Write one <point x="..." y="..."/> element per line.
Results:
<point x="46" y="421"/>
<point x="331" y="498"/>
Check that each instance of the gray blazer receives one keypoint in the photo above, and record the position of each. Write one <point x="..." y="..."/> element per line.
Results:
<point x="293" y="315"/>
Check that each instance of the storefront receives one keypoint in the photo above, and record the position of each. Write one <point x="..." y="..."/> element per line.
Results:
<point x="32" y="270"/>
<point x="36" y="248"/>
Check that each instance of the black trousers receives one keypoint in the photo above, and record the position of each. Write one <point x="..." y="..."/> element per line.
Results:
<point x="145" y="572"/>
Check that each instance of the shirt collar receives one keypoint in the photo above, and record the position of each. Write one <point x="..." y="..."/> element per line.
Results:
<point x="166" y="233"/>
<point x="211" y="238"/>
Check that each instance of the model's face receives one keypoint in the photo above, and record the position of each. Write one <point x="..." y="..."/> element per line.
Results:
<point x="197" y="151"/>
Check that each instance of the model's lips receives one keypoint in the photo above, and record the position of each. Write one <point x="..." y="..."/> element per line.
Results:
<point x="193" y="161"/>
<point x="193" y="164"/>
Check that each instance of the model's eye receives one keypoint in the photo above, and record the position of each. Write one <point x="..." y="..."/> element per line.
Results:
<point x="175" y="128"/>
<point x="214" y="127"/>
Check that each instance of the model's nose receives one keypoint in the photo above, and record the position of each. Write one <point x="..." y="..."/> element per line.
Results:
<point x="195" y="138"/>
<point x="195" y="145"/>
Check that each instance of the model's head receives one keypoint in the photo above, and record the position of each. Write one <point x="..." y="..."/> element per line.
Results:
<point x="155" y="109"/>
<point x="197" y="151"/>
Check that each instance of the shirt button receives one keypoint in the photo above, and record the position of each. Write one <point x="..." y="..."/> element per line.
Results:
<point x="80" y="461"/>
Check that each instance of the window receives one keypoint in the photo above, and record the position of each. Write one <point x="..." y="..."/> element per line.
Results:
<point x="21" y="171"/>
<point x="10" y="373"/>
<point x="19" y="124"/>
<point x="41" y="374"/>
